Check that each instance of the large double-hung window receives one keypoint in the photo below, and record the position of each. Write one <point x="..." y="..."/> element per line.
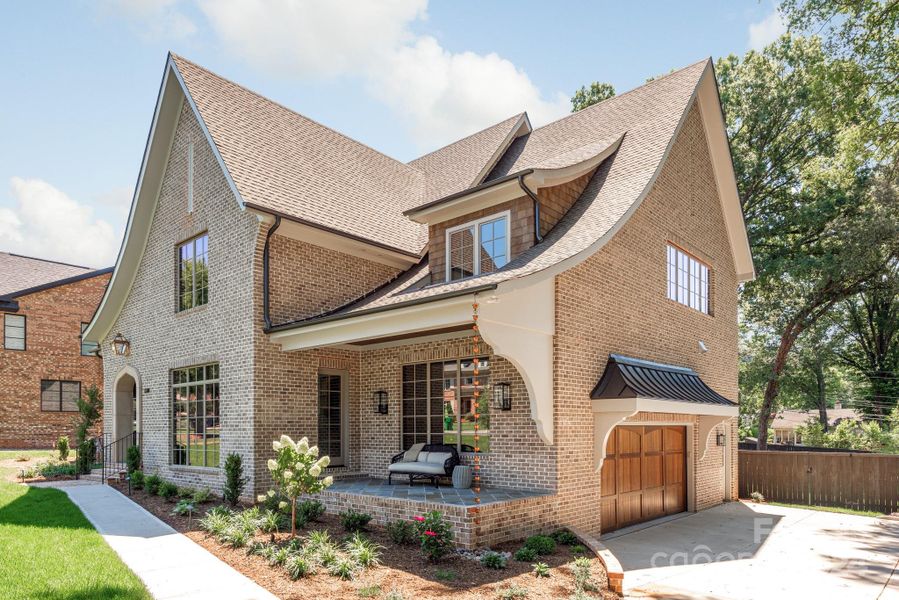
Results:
<point x="481" y="246"/>
<point x="196" y="423"/>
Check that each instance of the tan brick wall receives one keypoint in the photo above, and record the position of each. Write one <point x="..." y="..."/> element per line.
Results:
<point x="53" y="351"/>
<point x="616" y="302"/>
<point x="307" y="280"/>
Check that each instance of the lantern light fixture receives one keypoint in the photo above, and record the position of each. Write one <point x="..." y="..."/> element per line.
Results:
<point x="380" y="401"/>
<point x="721" y="439"/>
<point x="502" y="396"/>
<point x="121" y="346"/>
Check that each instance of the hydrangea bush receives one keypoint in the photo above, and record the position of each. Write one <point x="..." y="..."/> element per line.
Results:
<point x="296" y="471"/>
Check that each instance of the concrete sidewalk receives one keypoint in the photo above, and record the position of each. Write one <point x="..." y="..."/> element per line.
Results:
<point x="169" y="564"/>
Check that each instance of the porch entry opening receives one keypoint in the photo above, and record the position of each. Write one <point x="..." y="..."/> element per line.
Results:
<point x="126" y="421"/>
<point x="643" y="475"/>
<point x="332" y="416"/>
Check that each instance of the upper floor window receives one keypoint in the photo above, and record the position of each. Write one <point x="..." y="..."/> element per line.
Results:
<point x="193" y="273"/>
<point x="14" y="332"/>
<point x="688" y="280"/>
<point x="490" y="236"/>
<point x="88" y="348"/>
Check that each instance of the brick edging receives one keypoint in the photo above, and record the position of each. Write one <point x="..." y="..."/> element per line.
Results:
<point x="613" y="567"/>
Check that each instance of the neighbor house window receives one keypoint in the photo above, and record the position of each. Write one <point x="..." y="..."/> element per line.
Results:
<point x="688" y="280"/>
<point x="60" y="396"/>
<point x="14" y="332"/>
<point x="438" y="404"/>
<point x="196" y="421"/>
<point x="193" y="273"/>
<point x="478" y="247"/>
<point x="88" y="348"/>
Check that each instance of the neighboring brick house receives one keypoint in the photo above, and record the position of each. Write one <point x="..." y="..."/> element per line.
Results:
<point x="44" y="364"/>
<point x="278" y="277"/>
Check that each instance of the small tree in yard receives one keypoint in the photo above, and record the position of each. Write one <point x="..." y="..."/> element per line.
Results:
<point x="296" y="471"/>
<point x="89" y="409"/>
<point x="234" y="479"/>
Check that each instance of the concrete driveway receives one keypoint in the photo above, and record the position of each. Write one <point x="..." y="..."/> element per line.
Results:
<point x="737" y="551"/>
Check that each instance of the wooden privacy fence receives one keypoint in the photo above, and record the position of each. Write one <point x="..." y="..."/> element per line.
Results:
<point x="845" y="479"/>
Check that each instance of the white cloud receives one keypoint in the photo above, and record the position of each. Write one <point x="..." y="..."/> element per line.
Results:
<point x="47" y="223"/>
<point x="767" y="30"/>
<point x="158" y="19"/>
<point x="439" y="95"/>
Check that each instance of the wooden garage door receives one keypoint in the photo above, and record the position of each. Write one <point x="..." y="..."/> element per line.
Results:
<point x="644" y="475"/>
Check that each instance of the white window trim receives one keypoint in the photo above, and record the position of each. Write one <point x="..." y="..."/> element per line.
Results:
<point x="690" y="277"/>
<point x="507" y="214"/>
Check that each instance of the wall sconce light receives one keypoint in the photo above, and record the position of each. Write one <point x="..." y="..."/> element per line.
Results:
<point x="121" y="346"/>
<point x="721" y="439"/>
<point x="380" y="398"/>
<point x="502" y="396"/>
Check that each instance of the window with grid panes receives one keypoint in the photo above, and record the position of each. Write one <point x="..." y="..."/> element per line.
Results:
<point x="438" y="404"/>
<point x="688" y="280"/>
<point x="196" y="421"/>
<point x="193" y="272"/>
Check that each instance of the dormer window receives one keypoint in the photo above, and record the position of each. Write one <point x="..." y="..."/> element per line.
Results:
<point x="490" y="235"/>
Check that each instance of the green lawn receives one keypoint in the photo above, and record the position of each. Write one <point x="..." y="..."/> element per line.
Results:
<point x="833" y="509"/>
<point x="49" y="550"/>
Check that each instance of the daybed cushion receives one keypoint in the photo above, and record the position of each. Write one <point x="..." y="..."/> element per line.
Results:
<point x="423" y="468"/>
<point x="437" y="458"/>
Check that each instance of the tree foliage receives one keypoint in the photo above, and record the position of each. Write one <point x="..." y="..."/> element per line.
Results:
<point x="588" y="96"/>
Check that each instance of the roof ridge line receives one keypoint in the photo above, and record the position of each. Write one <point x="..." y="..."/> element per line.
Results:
<point x="295" y="112"/>
<point x="471" y="135"/>
<point x="47" y="260"/>
<point x="622" y="95"/>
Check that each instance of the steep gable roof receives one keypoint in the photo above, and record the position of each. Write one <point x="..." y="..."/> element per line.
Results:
<point x="283" y="162"/>
<point x="24" y="272"/>
<point x="465" y="163"/>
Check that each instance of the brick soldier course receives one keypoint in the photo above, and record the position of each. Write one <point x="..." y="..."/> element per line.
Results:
<point x="348" y="248"/>
<point x="55" y="300"/>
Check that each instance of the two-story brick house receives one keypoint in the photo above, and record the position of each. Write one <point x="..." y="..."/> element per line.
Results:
<point x="45" y="365"/>
<point x="279" y="277"/>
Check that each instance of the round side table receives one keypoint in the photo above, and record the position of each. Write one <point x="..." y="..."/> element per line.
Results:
<point x="462" y="477"/>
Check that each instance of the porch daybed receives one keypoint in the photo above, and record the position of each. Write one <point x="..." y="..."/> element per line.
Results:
<point x="424" y="461"/>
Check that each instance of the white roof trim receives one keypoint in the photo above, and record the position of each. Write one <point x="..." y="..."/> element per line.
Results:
<point x="677" y="407"/>
<point x="522" y="127"/>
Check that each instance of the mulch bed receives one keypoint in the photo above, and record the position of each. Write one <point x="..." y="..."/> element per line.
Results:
<point x="403" y="568"/>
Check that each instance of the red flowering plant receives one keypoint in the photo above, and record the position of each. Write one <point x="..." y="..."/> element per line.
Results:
<point x="436" y="535"/>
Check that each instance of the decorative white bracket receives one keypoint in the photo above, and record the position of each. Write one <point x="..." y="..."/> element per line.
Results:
<point x="519" y="323"/>
<point x="603" y="424"/>
<point x="707" y="424"/>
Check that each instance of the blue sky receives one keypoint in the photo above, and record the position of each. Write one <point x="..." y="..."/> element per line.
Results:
<point x="404" y="76"/>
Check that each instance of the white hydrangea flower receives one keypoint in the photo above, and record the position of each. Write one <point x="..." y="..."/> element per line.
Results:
<point x="315" y="470"/>
<point x="299" y="466"/>
<point x="271" y="493"/>
<point x="286" y="441"/>
<point x="303" y="445"/>
<point x="272" y="464"/>
<point x="276" y="445"/>
<point x="260" y="498"/>
<point x="288" y="474"/>
<point x="324" y="461"/>
<point x="313" y="450"/>
<point x="327" y="481"/>
<point x="282" y="504"/>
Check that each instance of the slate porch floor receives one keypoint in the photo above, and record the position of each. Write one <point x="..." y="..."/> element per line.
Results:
<point x="424" y="491"/>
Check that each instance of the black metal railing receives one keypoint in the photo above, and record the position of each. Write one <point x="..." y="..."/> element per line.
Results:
<point x="112" y="455"/>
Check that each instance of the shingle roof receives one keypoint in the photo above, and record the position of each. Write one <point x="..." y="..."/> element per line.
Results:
<point x="22" y="272"/>
<point x="457" y="166"/>
<point x="647" y="117"/>
<point x="284" y="162"/>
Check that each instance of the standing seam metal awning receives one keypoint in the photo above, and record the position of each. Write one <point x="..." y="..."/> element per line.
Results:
<point x="627" y="377"/>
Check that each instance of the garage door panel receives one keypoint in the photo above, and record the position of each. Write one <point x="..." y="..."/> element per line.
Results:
<point x="675" y="439"/>
<point x="610" y="513"/>
<point x="630" y="509"/>
<point x="629" y="441"/>
<point x="652" y="440"/>
<point x="652" y="471"/>
<point x="674" y="469"/>
<point x="653" y="503"/>
<point x="609" y="478"/>
<point x="630" y="479"/>
<point x="675" y="499"/>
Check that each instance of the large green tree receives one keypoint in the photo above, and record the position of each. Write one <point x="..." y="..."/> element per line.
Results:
<point x="588" y="96"/>
<point x="795" y="117"/>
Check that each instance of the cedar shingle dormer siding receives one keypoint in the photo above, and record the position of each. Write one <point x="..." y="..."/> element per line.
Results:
<point x="554" y="203"/>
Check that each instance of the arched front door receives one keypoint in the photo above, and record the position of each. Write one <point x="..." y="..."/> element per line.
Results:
<point x="126" y="409"/>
